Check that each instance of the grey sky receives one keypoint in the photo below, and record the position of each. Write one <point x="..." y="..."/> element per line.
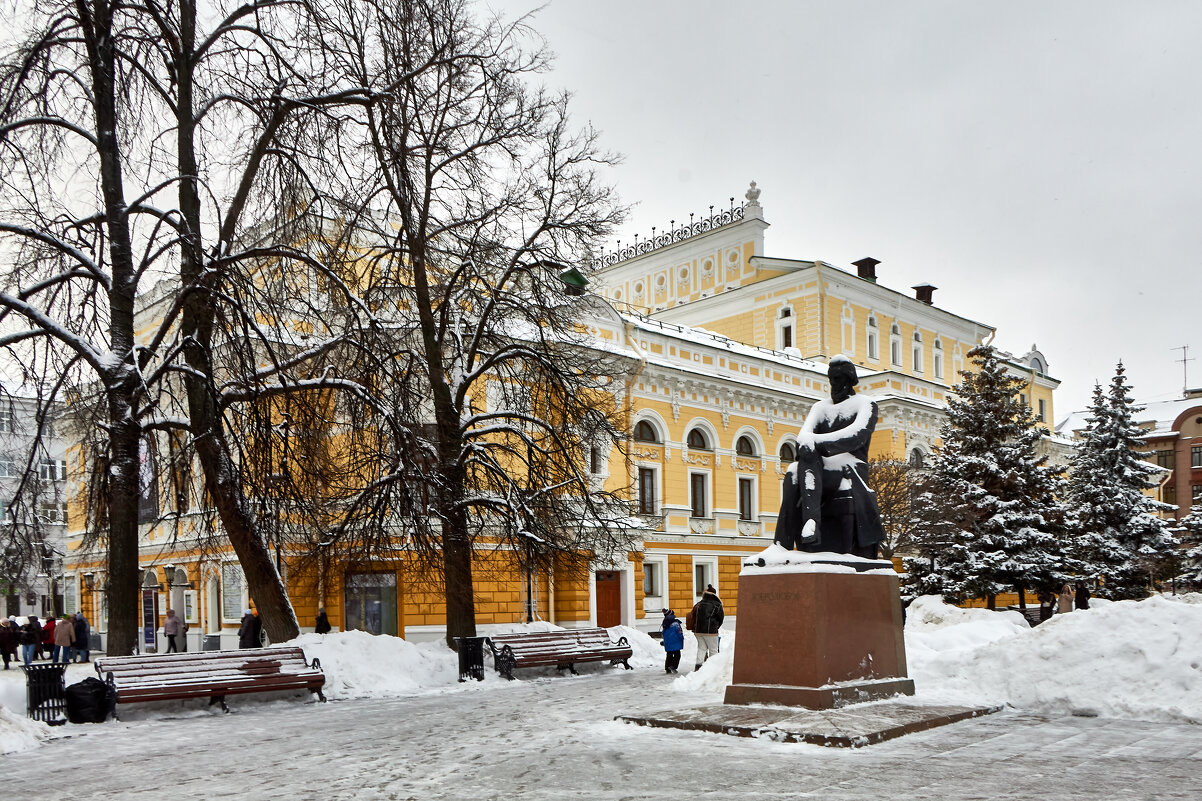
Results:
<point x="1036" y="161"/>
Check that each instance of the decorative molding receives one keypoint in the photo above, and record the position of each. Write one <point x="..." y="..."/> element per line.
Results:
<point x="701" y="525"/>
<point x="645" y="454"/>
<point x="750" y="528"/>
<point x="689" y="458"/>
<point x="670" y="237"/>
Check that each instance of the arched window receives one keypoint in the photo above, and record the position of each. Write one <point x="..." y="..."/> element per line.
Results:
<point x="697" y="440"/>
<point x="645" y="432"/>
<point x="744" y="446"/>
<point x="788" y="453"/>
<point x="916" y="459"/>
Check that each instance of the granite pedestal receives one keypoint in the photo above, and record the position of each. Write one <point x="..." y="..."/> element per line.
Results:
<point x="819" y="636"/>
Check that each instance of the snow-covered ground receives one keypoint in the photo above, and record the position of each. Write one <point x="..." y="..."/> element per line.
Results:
<point x="1131" y="660"/>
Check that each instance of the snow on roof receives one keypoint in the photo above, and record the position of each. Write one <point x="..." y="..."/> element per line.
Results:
<point x="1161" y="414"/>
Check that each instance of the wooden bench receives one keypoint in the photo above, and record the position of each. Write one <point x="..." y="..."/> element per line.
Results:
<point x="208" y="674"/>
<point x="563" y="649"/>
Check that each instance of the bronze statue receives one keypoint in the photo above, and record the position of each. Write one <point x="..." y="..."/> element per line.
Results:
<point x="827" y="505"/>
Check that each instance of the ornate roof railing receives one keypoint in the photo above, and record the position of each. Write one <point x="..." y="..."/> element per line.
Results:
<point x="671" y="236"/>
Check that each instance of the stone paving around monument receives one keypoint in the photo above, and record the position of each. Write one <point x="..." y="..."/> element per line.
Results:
<point x="556" y="738"/>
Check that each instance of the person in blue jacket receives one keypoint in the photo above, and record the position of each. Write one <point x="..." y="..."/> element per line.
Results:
<point x="673" y="641"/>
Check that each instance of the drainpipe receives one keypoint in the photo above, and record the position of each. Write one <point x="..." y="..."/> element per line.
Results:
<point x="821" y="309"/>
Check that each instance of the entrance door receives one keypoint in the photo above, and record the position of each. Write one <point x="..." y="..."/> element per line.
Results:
<point x="609" y="598"/>
<point x="371" y="603"/>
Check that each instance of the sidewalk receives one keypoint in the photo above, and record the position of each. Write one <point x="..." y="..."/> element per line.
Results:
<point x="555" y="738"/>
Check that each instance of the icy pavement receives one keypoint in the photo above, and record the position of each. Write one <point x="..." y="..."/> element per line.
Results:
<point x="555" y="738"/>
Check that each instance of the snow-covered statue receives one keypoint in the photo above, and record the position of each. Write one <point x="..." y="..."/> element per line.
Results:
<point x="826" y="504"/>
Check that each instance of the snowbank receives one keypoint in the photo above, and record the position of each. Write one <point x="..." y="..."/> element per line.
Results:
<point x="19" y="733"/>
<point x="1131" y="659"/>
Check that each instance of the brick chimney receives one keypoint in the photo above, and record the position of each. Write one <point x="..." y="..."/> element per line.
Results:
<point x="866" y="268"/>
<point x="923" y="292"/>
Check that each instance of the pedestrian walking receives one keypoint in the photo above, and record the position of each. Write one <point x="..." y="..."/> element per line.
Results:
<point x="1082" y="598"/>
<point x="250" y="630"/>
<point x="673" y="641"/>
<point x="29" y="635"/>
<point x="64" y="636"/>
<point x="707" y="619"/>
<point x="172" y="628"/>
<point x="82" y="632"/>
<point x="46" y="648"/>
<point x="8" y="639"/>
<point x="323" y="622"/>
<point x="1065" y="601"/>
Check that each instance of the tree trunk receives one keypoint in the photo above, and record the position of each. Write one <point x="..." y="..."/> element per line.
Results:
<point x="991" y="601"/>
<point x="121" y="381"/>
<point x="457" y="574"/>
<point x="263" y="581"/>
<point x="1022" y="598"/>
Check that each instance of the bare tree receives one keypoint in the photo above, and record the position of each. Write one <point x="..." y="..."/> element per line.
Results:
<point x="892" y="480"/>
<point x="476" y="190"/>
<point x="140" y="148"/>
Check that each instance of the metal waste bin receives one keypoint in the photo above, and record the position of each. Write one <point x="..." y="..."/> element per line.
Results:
<point x="471" y="657"/>
<point x="212" y="642"/>
<point x="45" y="696"/>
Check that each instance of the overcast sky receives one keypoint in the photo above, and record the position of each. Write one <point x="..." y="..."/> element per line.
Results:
<point x="1036" y="161"/>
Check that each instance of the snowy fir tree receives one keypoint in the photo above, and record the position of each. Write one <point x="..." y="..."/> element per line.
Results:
<point x="987" y="520"/>
<point x="1190" y="536"/>
<point x="1115" y="533"/>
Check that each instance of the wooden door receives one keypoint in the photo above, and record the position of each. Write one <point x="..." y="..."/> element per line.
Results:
<point x="609" y="598"/>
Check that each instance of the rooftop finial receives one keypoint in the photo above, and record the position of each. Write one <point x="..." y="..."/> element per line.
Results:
<point x="753" y="195"/>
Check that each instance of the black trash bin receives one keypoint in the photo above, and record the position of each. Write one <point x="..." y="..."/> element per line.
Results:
<point x="471" y="657"/>
<point x="45" y="697"/>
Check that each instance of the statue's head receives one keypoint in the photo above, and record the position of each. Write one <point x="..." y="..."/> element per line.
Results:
<point x="842" y="375"/>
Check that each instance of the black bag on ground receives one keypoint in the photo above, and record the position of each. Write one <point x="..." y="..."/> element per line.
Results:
<point x="88" y="701"/>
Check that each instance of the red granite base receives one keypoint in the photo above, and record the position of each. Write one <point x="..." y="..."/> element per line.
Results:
<point x="818" y="640"/>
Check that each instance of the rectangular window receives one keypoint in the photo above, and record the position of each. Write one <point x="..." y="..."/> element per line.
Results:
<point x="231" y="592"/>
<point x="872" y="346"/>
<point x="746" y="509"/>
<point x="594" y="460"/>
<point x="54" y="512"/>
<point x="697" y="493"/>
<point x="895" y="352"/>
<point x="1195" y="456"/>
<point x="53" y="470"/>
<point x="1164" y="459"/>
<point x="8" y="422"/>
<point x="1043" y="410"/>
<point x="651" y="580"/>
<point x="786" y="336"/>
<point x="1022" y="398"/>
<point x="704" y="572"/>
<point x="1197" y="494"/>
<point x="8" y="467"/>
<point x="646" y="491"/>
<point x="918" y="358"/>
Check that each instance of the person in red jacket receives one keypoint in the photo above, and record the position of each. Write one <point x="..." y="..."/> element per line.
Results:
<point x="46" y="648"/>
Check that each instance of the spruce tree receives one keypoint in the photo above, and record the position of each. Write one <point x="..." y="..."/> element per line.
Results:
<point x="1117" y="536"/>
<point x="988" y="519"/>
<point x="1190" y="536"/>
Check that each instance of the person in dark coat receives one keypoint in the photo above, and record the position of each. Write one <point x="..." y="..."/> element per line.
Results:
<point x="1082" y="595"/>
<point x="82" y="633"/>
<point x="707" y="619"/>
<point x="673" y="641"/>
<point x="8" y="640"/>
<point x="29" y="636"/>
<point x="249" y="631"/>
<point x="323" y="623"/>
<point x="1047" y="602"/>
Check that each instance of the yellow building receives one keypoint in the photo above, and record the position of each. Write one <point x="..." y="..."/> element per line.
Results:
<point x="728" y="350"/>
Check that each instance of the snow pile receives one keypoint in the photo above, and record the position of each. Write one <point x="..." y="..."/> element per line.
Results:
<point x="360" y="665"/>
<point x="1131" y="659"/>
<point x="19" y="733"/>
<point x="715" y="674"/>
